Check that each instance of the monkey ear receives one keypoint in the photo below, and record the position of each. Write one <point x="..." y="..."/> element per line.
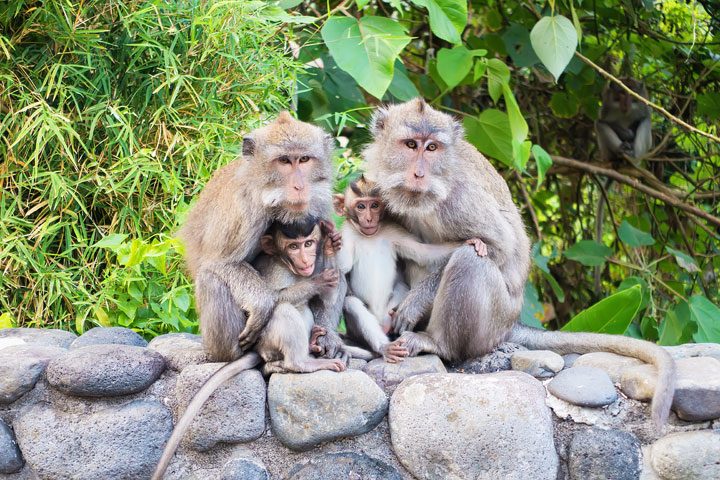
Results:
<point x="339" y="204"/>
<point x="267" y="245"/>
<point x="248" y="147"/>
<point x="285" y="117"/>
<point x="421" y="104"/>
<point x="458" y="131"/>
<point x="329" y="142"/>
<point x="377" y="124"/>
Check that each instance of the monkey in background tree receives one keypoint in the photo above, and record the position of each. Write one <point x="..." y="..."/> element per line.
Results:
<point x="624" y="127"/>
<point x="284" y="174"/>
<point x="442" y="189"/>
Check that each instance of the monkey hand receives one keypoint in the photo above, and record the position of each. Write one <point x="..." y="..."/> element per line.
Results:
<point x="403" y="319"/>
<point x="334" y="237"/>
<point x="316" y="332"/>
<point x="332" y="346"/>
<point x="326" y="281"/>
<point x="395" y="352"/>
<point x="479" y="245"/>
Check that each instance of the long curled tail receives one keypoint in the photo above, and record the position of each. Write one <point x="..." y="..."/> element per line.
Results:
<point x="571" y="342"/>
<point x="227" y="372"/>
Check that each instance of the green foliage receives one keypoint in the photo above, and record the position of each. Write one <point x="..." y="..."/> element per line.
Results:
<point x="113" y="114"/>
<point x="610" y="315"/>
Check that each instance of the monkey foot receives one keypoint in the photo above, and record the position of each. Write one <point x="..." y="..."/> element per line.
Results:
<point x="333" y="364"/>
<point x="316" y="332"/>
<point x="396" y="351"/>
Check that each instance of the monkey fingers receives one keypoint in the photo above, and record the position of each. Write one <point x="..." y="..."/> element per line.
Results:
<point x="249" y="335"/>
<point x="316" y="332"/>
<point x="333" y="235"/>
<point x="480" y="246"/>
<point x="395" y="352"/>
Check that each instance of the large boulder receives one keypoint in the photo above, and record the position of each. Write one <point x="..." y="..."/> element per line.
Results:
<point x="309" y="409"/>
<point x="389" y="375"/>
<point x="234" y="413"/>
<point x="40" y="336"/>
<point x="105" y="370"/>
<point x="20" y="368"/>
<point x="122" y="442"/>
<point x="179" y="349"/>
<point x="350" y="465"/>
<point x="109" y="335"/>
<point x="687" y="456"/>
<point x="473" y="426"/>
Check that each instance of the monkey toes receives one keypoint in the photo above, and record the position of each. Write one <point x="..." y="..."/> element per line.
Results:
<point x="396" y="351"/>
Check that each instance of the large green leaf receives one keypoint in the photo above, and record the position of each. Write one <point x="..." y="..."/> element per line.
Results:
<point x="677" y="326"/>
<point x="684" y="260"/>
<point x="490" y="133"/>
<point x="402" y="87"/>
<point x="498" y="78"/>
<point x="589" y="253"/>
<point x="366" y="49"/>
<point x="634" y="237"/>
<point x="554" y="40"/>
<point x="454" y="64"/>
<point x="610" y="315"/>
<point x="707" y="317"/>
<point x="543" y="162"/>
<point x="447" y="17"/>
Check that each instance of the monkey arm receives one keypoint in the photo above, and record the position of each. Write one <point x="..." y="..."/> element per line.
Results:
<point x="423" y="254"/>
<point x="300" y="292"/>
<point x="643" y="138"/>
<point x="417" y="303"/>
<point x="326" y="310"/>
<point x="608" y="140"/>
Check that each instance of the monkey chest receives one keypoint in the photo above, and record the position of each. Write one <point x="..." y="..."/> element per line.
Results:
<point x="374" y="271"/>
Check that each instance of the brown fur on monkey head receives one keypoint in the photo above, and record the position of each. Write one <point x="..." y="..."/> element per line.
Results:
<point x="361" y="205"/>
<point x="292" y="157"/>
<point x="419" y="136"/>
<point x="297" y="244"/>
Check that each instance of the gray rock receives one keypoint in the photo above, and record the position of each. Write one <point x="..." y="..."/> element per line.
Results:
<point x="234" y="413"/>
<point x="20" y="368"/>
<point x="647" y="472"/>
<point x="695" y="350"/>
<point x="611" y="363"/>
<point x="570" y="359"/>
<point x="357" y="363"/>
<point x="584" y="386"/>
<point x="389" y="375"/>
<point x="244" y="469"/>
<point x="11" y="459"/>
<point x="349" y="465"/>
<point x="538" y="363"/>
<point x="473" y="426"/>
<point x="596" y="454"/>
<point x="105" y="370"/>
<point x="179" y="349"/>
<point x="697" y="387"/>
<point x="495" y="361"/>
<point x="122" y="442"/>
<point x="687" y="455"/>
<point x="309" y="409"/>
<point x="109" y="335"/>
<point x="40" y="336"/>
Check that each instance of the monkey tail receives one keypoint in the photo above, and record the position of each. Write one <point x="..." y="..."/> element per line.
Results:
<point x="246" y="362"/>
<point x="361" y="353"/>
<point x="571" y="342"/>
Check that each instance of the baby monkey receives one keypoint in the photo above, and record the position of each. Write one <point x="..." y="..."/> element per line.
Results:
<point x="291" y="254"/>
<point x="372" y="247"/>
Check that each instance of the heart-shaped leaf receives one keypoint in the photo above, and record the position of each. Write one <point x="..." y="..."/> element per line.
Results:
<point x="447" y="17"/>
<point x="554" y="40"/>
<point x="366" y="49"/>
<point x="454" y="64"/>
<point x="588" y="252"/>
<point x="634" y="237"/>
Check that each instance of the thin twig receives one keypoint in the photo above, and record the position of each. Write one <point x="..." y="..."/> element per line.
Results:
<point x="528" y="201"/>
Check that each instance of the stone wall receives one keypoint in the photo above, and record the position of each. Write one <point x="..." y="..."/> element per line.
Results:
<point x="102" y="406"/>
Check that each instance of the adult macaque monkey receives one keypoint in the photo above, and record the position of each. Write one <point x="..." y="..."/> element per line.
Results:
<point x="624" y="128"/>
<point x="292" y="251"/>
<point x="371" y="249"/>
<point x="284" y="174"/>
<point x="443" y="190"/>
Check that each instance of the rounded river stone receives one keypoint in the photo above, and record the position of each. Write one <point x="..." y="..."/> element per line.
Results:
<point x="109" y="335"/>
<point x="583" y="386"/>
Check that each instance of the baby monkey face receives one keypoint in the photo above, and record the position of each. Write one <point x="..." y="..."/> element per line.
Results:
<point x="367" y="212"/>
<point x="300" y="254"/>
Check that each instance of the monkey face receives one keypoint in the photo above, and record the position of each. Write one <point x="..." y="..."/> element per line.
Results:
<point x="294" y="170"/>
<point x="366" y="213"/>
<point x="300" y="254"/>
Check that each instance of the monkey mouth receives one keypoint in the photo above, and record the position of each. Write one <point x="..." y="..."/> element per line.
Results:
<point x="306" y="271"/>
<point x="369" y="231"/>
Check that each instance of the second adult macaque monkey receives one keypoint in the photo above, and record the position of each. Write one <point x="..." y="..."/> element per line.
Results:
<point x="371" y="249"/>
<point x="284" y="174"/>
<point x="442" y="189"/>
<point x="624" y="127"/>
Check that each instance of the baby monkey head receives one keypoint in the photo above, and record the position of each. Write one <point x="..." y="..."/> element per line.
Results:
<point x="361" y="205"/>
<point x="296" y="244"/>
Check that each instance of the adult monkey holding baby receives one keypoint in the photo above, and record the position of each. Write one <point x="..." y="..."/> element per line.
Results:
<point x="442" y="189"/>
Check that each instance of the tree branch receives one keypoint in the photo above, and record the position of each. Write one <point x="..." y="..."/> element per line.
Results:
<point x="668" y="198"/>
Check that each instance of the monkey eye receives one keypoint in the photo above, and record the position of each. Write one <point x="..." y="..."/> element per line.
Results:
<point x="375" y="206"/>
<point x="361" y="206"/>
<point x="284" y="159"/>
<point x="309" y="243"/>
<point x="411" y="144"/>
<point x="431" y="147"/>
<point x="304" y="159"/>
<point x="293" y="246"/>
